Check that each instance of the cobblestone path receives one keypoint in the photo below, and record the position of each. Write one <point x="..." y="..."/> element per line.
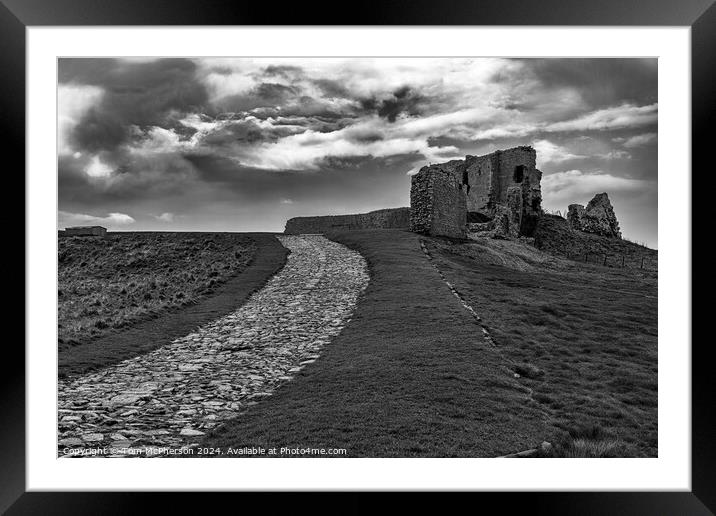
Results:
<point x="169" y="397"/>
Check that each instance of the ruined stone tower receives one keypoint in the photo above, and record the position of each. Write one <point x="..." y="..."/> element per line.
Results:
<point x="498" y="193"/>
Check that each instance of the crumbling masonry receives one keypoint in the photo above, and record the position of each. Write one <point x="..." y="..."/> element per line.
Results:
<point x="597" y="218"/>
<point x="497" y="194"/>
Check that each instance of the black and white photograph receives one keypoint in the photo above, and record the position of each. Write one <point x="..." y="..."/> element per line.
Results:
<point x="374" y="257"/>
<point x="436" y="248"/>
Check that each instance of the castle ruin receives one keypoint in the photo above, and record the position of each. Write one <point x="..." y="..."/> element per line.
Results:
<point x="597" y="218"/>
<point x="497" y="194"/>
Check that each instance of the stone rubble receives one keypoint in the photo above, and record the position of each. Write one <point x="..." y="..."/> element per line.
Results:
<point x="177" y="393"/>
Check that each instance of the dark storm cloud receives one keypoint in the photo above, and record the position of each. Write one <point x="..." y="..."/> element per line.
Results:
<point x="284" y="71"/>
<point x="246" y="131"/>
<point x="403" y="100"/>
<point x="332" y="89"/>
<point x="72" y="180"/>
<point x="101" y="129"/>
<point x="273" y="92"/>
<point x="135" y="93"/>
<point x="184" y="132"/>
<point x="600" y="82"/>
<point x="143" y="178"/>
<point x="336" y="181"/>
<point x="237" y="144"/>
<point x="263" y="100"/>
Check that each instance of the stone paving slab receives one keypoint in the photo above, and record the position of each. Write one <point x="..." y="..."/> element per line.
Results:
<point x="172" y="395"/>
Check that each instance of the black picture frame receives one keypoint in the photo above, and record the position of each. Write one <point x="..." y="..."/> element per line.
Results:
<point x="700" y="15"/>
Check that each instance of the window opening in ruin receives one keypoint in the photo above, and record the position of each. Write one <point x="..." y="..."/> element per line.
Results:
<point x="476" y="216"/>
<point x="466" y="181"/>
<point x="519" y="173"/>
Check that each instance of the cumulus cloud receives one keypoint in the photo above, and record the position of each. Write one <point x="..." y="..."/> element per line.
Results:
<point x="96" y="168"/>
<point x="78" y="219"/>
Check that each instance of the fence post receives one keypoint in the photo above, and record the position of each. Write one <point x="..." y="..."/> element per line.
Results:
<point x="642" y="263"/>
<point x="586" y="257"/>
<point x="605" y="259"/>
<point x="622" y="261"/>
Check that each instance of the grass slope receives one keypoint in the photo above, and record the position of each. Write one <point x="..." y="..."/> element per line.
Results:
<point x="410" y="375"/>
<point x="108" y="283"/>
<point x="583" y="337"/>
<point x="553" y="235"/>
<point x="210" y="295"/>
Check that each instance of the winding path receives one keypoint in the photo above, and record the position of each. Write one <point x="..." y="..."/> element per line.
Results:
<point x="171" y="395"/>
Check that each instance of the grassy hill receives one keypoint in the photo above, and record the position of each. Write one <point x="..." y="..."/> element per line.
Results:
<point x="582" y="337"/>
<point x="108" y="283"/>
<point x="571" y="359"/>
<point x="411" y="375"/>
<point x="574" y="360"/>
<point x="553" y="235"/>
<point x="130" y="293"/>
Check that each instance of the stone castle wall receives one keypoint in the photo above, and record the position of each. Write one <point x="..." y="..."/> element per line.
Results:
<point x="504" y="184"/>
<point x="393" y="218"/>
<point x="85" y="231"/>
<point x="479" y="171"/>
<point x="438" y="203"/>
<point x="517" y="168"/>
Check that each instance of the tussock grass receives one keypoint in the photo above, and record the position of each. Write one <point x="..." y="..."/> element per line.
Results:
<point x="589" y="442"/>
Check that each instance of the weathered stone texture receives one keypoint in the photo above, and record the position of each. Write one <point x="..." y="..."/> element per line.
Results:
<point x="515" y="207"/>
<point x="503" y="225"/>
<point x="393" y="218"/>
<point x="438" y="203"/>
<point x="478" y="171"/>
<point x="575" y="216"/>
<point x="517" y="168"/>
<point x="597" y="218"/>
<point x="503" y="185"/>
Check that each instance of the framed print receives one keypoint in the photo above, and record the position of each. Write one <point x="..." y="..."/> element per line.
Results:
<point x="436" y="250"/>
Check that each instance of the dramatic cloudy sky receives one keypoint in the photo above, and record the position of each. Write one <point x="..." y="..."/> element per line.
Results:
<point x="244" y="144"/>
